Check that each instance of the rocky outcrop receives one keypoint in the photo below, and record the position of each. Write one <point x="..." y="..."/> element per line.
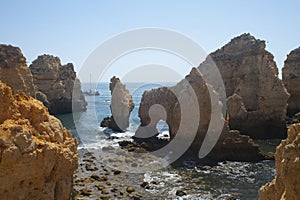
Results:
<point x="291" y="80"/>
<point x="59" y="84"/>
<point x="257" y="98"/>
<point x="13" y="64"/>
<point x="37" y="155"/>
<point x="121" y="106"/>
<point x="286" y="184"/>
<point x="180" y="114"/>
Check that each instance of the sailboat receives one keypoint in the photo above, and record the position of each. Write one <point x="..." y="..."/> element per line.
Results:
<point x="91" y="92"/>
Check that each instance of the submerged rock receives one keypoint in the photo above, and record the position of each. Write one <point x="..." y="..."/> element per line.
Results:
<point x="38" y="156"/>
<point x="257" y="98"/>
<point x="286" y="184"/>
<point x="230" y="145"/>
<point x="291" y="79"/>
<point x="121" y="106"/>
<point x="14" y="70"/>
<point x="59" y="84"/>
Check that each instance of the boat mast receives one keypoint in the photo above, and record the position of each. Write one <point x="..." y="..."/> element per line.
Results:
<point x="90" y="81"/>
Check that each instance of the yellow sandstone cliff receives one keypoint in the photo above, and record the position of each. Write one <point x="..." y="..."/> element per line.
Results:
<point x="38" y="156"/>
<point x="286" y="184"/>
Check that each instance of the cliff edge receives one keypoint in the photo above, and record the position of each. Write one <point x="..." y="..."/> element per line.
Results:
<point x="291" y="79"/>
<point x="14" y="70"/>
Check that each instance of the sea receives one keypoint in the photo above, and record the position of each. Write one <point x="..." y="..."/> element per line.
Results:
<point x="240" y="180"/>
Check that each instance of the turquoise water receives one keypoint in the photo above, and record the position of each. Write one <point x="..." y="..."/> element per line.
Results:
<point x="238" y="179"/>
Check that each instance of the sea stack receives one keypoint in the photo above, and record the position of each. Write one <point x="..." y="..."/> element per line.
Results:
<point x="59" y="84"/>
<point x="286" y="184"/>
<point x="121" y="106"/>
<point x="257" y="98"/>
<point x="182" y="118"/>
<point x="38" y="156"/>
<point x="291" y="79"/>
<point x="14" y="70"/>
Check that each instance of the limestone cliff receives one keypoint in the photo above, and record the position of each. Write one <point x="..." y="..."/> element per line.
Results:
<point x="291" y="79"/>
<point x="182" y="115"/>
<point x="121" y="106"/>
<point x="59" y="83"/>
<point x="14" y="70"/>
<point x="286" y="184"/>
<point x="38" y="156"/>
<point x="257" y="97"/>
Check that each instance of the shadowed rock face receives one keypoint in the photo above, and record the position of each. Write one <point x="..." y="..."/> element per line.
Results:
<point x="121" y="106"/>
<point x="291" y="79"/>
<point x="59" y="83"/>
<point x="14" y="70"/>
<point x="230" y="145"/>
<point x="286" y="184"/>
<point x="38" y="156"/>
<point x="257" y="99"/>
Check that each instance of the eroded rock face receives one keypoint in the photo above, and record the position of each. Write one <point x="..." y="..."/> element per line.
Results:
<point x="257" y="98"/>
<point x="286" y="184"/>
<point x="38" y="156"/>
<point x="291" y="79"/>
<point x="14" y="70"/>
<point x="230" y="146"/>
<point x="121" y="106"/>
<point x="59" y="83"/>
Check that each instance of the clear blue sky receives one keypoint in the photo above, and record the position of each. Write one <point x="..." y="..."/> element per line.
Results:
<point x="73" y="29"/>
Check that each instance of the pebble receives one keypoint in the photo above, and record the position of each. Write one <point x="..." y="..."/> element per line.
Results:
<point x="88" y="167"/>
<point x="105" y="191"/>
<point x="85" y="192"/>
<point x="103" y="178"/>
<point x="130" y="189"/>
<point x="100" y="187"/>
<point x="96" y="177"/>
<point x="116" y="172"/>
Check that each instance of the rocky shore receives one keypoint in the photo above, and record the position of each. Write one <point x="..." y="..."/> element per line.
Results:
<point x="38" y="156"/>
<point x="97" y="179"/>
